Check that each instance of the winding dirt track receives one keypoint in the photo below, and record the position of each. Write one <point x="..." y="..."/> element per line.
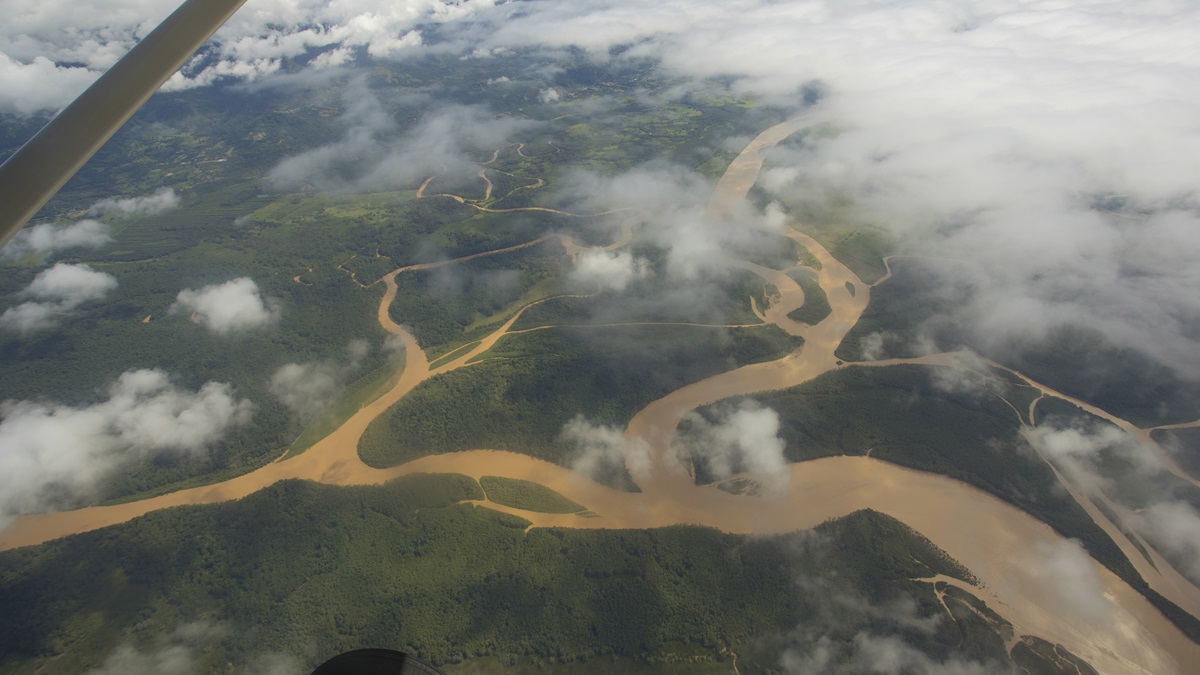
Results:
<point x="1108" y="624"/>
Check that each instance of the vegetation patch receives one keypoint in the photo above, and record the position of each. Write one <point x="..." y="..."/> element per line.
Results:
<point x="816" y="304"/>
<point x="526" y="495"/>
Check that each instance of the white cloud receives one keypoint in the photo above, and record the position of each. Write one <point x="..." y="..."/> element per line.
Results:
<point x="1174" y="526"/>
<point x="308" y="389"/>
<point x="71" y="285"/>
<point x="165" y="199"/>
<point x="57" y="291"/>
<point x="1067" y="569"/>
<point x="744" y="439"/>
<point x="608" y="270"/>
<point x="822" y="643"/>
<point x="47" y="448"/>
<point x="375" y="155"/>
<point x="1086" y="454"/>
<point x="39" y="84"/>
<point x="986" y="132"/>
<point x="549" y="95"/>
<point x="231" y="307"/>
<point x="51" y="50"/>
<point x="48" y="238"/>
<point x="30" y="317"/>
<point x="600" y="450"/>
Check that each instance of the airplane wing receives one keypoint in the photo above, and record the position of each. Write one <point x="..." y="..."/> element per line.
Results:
<point x="31" y="176"/>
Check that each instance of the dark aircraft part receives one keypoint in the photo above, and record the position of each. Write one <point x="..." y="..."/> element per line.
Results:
<point x="35" y="172"/>
<point x="374" y="662"/>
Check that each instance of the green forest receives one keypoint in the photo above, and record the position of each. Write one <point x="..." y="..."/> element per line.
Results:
<point x="311" y="570"/>
<point x="926" y="419"/>
<point x="522" y="392"/>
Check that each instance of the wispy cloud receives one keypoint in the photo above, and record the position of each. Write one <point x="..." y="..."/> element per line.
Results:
<point x="308" y="389"/>
<point x="179" y="653"/>
<point x="165" y="199"/>
<point x="375" y="154"/>
<point x="1100" y="458"/>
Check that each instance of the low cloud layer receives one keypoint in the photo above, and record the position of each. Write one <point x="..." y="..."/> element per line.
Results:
<point x="56" y="292"/>
<point x="1067" y="569"/>
<point x="1174" y="525"/>
<point x="228" y="308"/>
<point x="44" y="239"/>
<point x="50" y="452"/>
<point x="846" y="632"/>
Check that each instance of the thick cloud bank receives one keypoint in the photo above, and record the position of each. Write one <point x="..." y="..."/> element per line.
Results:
<point x="56" y="292"/>
<point x="231" y="307"/>
<point x="50" y="451"/>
